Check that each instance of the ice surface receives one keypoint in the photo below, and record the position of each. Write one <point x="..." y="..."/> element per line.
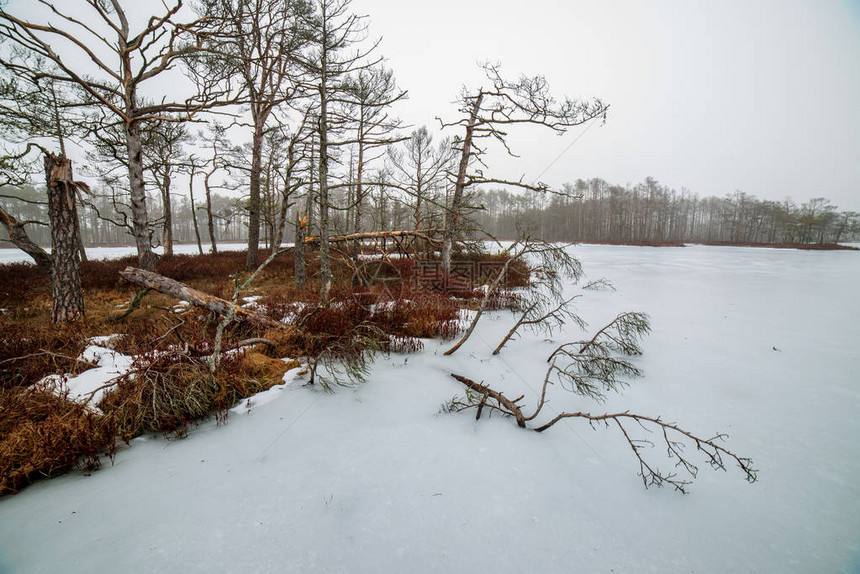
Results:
<point x="761" y="343"/>
<point x="14" y="255"/>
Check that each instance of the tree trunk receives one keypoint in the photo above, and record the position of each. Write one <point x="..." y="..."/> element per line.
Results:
<point x="359" y="190"/>
<point x="452" y="214"/>
<point x="18" y="236"/>
<point x="210" y="223"/>
<point x="194" y="212"/>
<point x="167" y="226"/>
<point x="325" y="262"/>
<point x="418" y="190"/>
<point x="254" y="198"/>
<point x="140" y="219"/>
<point x="299" y="262"/>
<point x="303" y="227"/>
<point x="82" y="251"/>
<point x="68" y="298"/>
<point x="284" y="205"/>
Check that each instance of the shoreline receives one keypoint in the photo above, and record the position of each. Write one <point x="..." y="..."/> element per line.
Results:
<point x="798" y="246"/>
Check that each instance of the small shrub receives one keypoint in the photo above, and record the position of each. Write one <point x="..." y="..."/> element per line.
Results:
<point x="168" y="392"/>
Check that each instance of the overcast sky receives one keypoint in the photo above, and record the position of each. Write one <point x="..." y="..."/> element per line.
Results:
<point x="714" y="96"/>
<point x="761" y="96"/>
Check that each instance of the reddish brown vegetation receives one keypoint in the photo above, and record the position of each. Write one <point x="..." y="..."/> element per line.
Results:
<point x="802" y="246"/>
<point x="30" y="351"/>
<point x="42" y="433"/>
<point x="167" y="392"/>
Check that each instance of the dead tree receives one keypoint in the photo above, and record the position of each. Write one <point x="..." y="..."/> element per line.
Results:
<point x="220" y="160"/>
<point x="191" y="167"/>
<point x="61" y="265"/>
<point x="486" y="115"/>
<point x="287" y="176"/>
<point x="543" y="308"/>
<point x="541" y="313"/>
<point x="334" y="31"/>
<point x="177" y="290"/>
<point x="591" y="368"/>
<point x="163" y="157"/>
<point x="369" y="94"/>
<point x="33" y="108"/>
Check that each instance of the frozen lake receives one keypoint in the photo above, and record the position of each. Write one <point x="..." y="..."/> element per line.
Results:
<point x="14" y="255"/>
<point x="763" y="344"/>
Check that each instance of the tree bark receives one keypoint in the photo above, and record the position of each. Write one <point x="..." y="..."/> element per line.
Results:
<point x="210" y="223"/>
<point x="194" y="212"/>
<point x="299" y="264"/>
<point x="254" y="197"/>
<point x="285" y="196"/>
<point x="140" y="219"/>
<point x="62" y="266"/>
<point x="68" y="298"/>
<point x="359" y="177"/>
<point x="167" y="227"/>
<point x="502" y="399"/>
<point x="325" y="262"/>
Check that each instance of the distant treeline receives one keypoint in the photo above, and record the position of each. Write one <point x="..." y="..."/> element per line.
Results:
<point x="595" y="211"/>
<point x="590" y="211"/>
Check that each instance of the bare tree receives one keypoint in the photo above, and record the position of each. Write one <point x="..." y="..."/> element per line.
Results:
<point x="94" y="48"/>
<point x="370" y="93"/>
<point x="486" y="114"/>
<point x="192" y="167"/>
<point x="164" y="155"/>
<point x="304" y="219"/>
<point x="257" y="41"/>
<point x="297" y="150"/>
<point x="420" y="169"/>
<point x="334" y="31"/>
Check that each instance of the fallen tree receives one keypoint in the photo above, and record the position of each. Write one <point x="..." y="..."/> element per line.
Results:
<point x="590" y="369"/>
<point x="181" y="291"/>
<point x="673" y="437"/>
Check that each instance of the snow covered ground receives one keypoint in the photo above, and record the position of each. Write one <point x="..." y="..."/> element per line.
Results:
<point x="761" y="343"/>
